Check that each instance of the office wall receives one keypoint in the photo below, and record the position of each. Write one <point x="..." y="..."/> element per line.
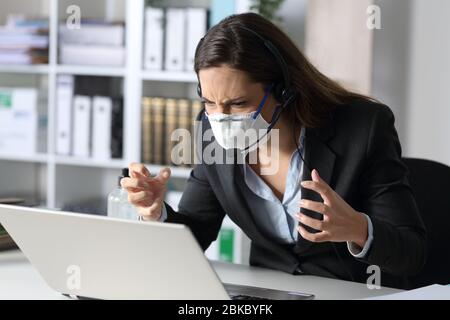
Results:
<point x="34" y="7"/>
<point x="428" y="132"/>
<point x="339" y="43"/>
<point x="411" y="73"/>
<point x="391" y="56"/>
<point x="294" y="18"/>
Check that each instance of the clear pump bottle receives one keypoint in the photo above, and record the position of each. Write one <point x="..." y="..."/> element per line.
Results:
<point x="118" y="205"/>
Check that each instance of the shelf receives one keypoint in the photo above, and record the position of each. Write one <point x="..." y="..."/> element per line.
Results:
<point x="87" y="162"/>
<point x="36" y="158"/>
<point x="169" y="76"/>
<point x="176" y="172"/>
<point x="25" y="69"/>
<point x="91" y="70"/>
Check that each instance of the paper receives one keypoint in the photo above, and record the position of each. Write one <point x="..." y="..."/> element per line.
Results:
<point x="434" y="292"/>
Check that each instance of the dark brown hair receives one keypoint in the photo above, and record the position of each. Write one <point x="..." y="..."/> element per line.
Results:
<point x="228" y="43"/>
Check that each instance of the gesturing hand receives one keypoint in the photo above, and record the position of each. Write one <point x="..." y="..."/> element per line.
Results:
<point x="146" y="193"/>
<point x="340" y="221"/>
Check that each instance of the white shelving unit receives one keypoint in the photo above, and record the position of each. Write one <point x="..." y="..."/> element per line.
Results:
<point x="188" y="77"/>
<point x="36" y="158"/>
<point x="53" y="168"/>
<point x="91" y="71"/>
<point x="57" y="180"/>
<point x="25" y="69"/>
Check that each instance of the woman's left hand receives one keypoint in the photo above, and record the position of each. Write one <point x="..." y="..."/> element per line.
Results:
<point x="340" y="221"/>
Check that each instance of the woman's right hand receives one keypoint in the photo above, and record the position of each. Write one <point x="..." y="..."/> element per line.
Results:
<point x="146" y="193"/>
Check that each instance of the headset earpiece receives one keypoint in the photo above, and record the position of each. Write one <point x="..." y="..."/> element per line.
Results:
<point x="278" y="92"/>
<point x="283" y="94"/>
<point x="199" y="90"/>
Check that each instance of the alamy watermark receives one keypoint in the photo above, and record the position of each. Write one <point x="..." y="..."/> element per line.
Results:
<point x="73" y="21"/>
<point x="73" y="281"/>
<point x="374" y="280"/>
<point x="374" y="19"/>
<point x="203" y="149"/>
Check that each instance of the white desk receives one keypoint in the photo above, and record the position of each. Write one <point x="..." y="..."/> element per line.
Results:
<point x="20" y="280"/>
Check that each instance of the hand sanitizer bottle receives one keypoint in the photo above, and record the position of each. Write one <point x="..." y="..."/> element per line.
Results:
<point x="118" y="205"/>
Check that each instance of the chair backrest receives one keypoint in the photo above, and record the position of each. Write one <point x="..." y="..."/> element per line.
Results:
<point x="430" y="182"/>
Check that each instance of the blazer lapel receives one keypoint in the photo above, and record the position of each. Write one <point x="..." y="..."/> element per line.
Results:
<point x="238" y="210"/>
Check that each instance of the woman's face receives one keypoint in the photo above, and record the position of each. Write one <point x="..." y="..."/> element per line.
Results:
<point x="230" y="91"/>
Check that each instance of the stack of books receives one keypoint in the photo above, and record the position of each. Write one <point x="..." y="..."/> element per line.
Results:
<point x="24" y="40"/>
<point x="167" y="130"/>
<point x="98" y="43"/>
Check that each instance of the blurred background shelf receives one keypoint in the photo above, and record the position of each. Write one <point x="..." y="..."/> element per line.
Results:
<point x="37" y="158"/>
<point x="86" y="162"/>
<point x="91" y="70"/>
<point x="169" y="76"/>
<point x="26" y="69"/>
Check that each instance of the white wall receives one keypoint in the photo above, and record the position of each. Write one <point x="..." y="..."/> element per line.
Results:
<point x="35" y="7"/>
<point x="339" y="43"/>
<point x="391" y="56"/>
<point x="428" y="131"/>
<point x="411" y="73"/>
<point x="294" y="19"/>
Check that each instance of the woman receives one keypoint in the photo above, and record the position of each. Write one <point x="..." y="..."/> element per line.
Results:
<point x="339" y="199"/>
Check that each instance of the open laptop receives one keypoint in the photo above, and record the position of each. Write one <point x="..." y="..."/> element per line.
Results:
<point x="85" y="256"/>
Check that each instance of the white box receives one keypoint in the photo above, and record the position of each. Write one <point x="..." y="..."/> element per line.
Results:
<point x="18" y="121"/>
<point x="75" y="54"/>
<point x="93" y="34"/>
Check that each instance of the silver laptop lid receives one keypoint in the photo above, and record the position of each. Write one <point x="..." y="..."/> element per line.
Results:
<point x="99" y="257"/>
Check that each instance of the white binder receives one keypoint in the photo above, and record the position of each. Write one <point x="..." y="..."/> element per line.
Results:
<point x="154" y="39"/>
<point x="64" y="97"/>
<point x="175" y="35"/>
<point x="101" y="128"/>
<point x="82" y="126"/>
<point x="196" y="21"/>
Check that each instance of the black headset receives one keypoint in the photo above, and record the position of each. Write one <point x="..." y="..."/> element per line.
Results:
<point x="283" y="91"/>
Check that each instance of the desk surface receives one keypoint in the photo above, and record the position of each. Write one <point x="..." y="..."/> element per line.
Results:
<point x="20" y="280"/>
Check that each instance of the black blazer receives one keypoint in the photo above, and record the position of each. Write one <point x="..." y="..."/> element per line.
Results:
<point x="359" y="155"/>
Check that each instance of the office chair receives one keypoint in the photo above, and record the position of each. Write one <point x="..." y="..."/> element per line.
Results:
<point x="430" y="182"/>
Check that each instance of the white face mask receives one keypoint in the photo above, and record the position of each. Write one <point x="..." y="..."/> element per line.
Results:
<point x="239" y="131"/>
<point x="242" y="131"/>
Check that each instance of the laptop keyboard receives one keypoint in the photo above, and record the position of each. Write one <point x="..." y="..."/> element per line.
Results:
<point x="246" y="297"/>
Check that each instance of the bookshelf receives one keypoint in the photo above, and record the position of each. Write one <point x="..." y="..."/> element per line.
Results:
<point x="55" y="180"/>
<point x="131" y="74"/>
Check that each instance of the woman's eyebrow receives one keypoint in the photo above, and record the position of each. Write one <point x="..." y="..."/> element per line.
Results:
<point x="226" y="102"/>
